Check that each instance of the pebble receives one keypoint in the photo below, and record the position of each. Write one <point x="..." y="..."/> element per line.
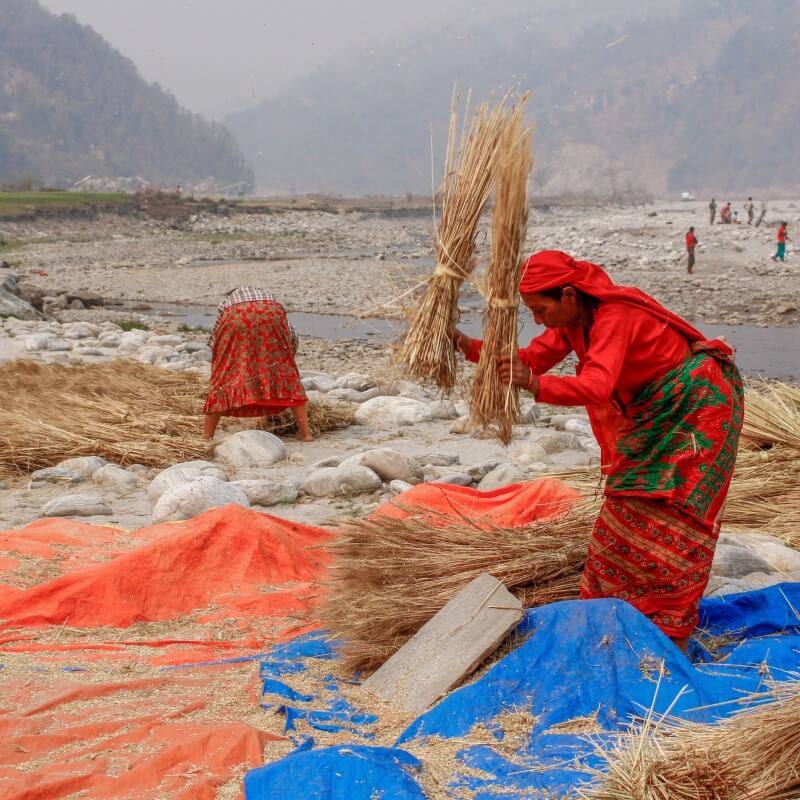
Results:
<point x="77" y="505"/>
<point x="388" y="464"/>
<point x="250" y="449"/>
<point x="388" y="413"/>
<point x="342" y="480"/>
<point x="267" y="493"/>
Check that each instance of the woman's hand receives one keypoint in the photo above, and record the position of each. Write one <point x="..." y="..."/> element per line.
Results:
<point x="513" y="371"/>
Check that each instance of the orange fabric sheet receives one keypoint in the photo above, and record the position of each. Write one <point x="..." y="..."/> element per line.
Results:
<point x="120" y="726"/>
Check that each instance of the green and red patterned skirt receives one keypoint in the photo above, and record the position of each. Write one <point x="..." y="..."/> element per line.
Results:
<point x="654" y="540"/>
<point x="253" y="371"/>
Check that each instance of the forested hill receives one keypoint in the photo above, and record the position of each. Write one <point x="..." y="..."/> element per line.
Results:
<point x="71" y="106"/>
<point x="679" y="95"/>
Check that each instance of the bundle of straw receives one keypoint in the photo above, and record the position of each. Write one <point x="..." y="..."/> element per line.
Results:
<point x="491" y="402"/>
<point x="427" y="352"/>
<point x="753" y="755"/>
<point x="388" y="577"/>
<point x="771" y="415"/>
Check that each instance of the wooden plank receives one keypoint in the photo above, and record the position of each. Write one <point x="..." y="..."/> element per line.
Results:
<point x="448" y="647"/>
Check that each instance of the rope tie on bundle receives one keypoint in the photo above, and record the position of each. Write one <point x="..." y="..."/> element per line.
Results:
<point x="502" y="302"/>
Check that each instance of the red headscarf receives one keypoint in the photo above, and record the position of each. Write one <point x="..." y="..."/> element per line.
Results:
<point x="549" y="269"/>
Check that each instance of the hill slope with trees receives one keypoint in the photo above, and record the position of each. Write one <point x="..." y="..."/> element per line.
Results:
<point x="71" y="106"/>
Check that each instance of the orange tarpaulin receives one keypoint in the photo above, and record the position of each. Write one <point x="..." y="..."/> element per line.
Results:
<point x="113" y="607"/>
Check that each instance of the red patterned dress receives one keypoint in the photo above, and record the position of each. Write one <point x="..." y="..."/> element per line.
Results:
<point x="253" y="371"/>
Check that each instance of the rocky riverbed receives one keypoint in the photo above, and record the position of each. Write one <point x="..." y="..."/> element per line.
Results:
<point x="364" y="263"/>
<point x="332" y="263"/>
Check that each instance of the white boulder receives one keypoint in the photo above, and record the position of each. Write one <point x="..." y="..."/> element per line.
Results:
<point x="77" y="505"/>
<point x="344" y="479"/>
<point x="193" y="498"/>
<point x="387" y="413"/>
<point x="398" y="487"/>
<point x="529" y="453"/>
<point x="319" y="383"/>
<point x="251" y="449"/>
<point x="267" y="493"/>
<point x="504" y="475"/>
<point x="355" y="380"/>
<point x="179" y="474"/>
<point x="388" y="464"/>
<point x="56" y="475"/>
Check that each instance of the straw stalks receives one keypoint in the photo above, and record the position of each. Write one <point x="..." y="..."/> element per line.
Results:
<point x="390" y="576"/>
<point x="491" y="402"/>
<point x="753" y="755"/>
<point x="126" y="412"/>
<point x="427" y="352"/>
<point x="322" y="417"/>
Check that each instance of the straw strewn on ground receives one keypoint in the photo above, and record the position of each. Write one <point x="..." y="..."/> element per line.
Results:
<point x="492" y="403"/>
<point x="754" y="755"/>
<point x="126" y="412"/>
<point x="427" y="352"/>
<point x="390" y="576"/>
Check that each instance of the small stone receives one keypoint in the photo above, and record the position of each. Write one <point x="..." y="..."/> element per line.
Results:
<point x="354" y="380"/>
<point x="462" y="425"/>
<point x="479" y="471"/>
<point x="388" y="464"/>
<point x="439" y="459"/>
<point x="398" y="487"/>
<point x="319" y="383"/>
<point x="85" y="465"/>
<point x="344" y="479"/>
<point x="529" y="453"/>
<point x="57" y="475"/>
<point x="456" y="479"/>
<point x="112" y="475"/>
<point x="443" y="409"/>
<point x="353" y="395"/>
<point x="558" y="441"/>
<point x="267" y="493"/>
<point x="77" y="505"/>
<point x="504" y="475"/>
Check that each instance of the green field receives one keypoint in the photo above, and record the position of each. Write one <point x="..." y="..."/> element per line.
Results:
<point x="13" y="203"/>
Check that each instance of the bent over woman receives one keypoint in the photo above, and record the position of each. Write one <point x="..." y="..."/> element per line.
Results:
<point x="253" y="371"/>
<point x="666" y="407"/>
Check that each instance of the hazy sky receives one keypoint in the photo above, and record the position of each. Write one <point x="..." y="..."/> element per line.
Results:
<point x="217" y="56"/>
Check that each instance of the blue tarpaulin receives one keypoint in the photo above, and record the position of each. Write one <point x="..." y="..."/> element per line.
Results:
<point x="597" y="660"/>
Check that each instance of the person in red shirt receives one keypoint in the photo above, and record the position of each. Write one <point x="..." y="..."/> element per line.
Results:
<point x="666" y="406"/>
<point x="691" y="243"/>
<point x="782" y="238"/>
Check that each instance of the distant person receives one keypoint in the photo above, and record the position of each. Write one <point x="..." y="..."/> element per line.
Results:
<point x="725" y="214"/>
<point x="253" y="371"/>
<point x="783" y="237"/>
<point x="750" y="208"/>
<point x="735" y="220"/>
<point x="712" y="211"/>
<point x="691" y="243"/>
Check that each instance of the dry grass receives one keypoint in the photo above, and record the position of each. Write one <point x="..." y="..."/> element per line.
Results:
<point x="123" y="411"/>
<point x="322" y="417"/>
<point x="427" y="352"/>
<point x="126" y="412"/>
<point x="754" y="755"/>
<point x="491" y="402"/>
<point x="390" y="576"/>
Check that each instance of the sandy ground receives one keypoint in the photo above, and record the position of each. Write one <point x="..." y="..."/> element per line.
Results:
<point x="361" y="263"/>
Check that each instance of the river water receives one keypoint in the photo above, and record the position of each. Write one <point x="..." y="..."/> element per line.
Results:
<point x="766" y="352"/>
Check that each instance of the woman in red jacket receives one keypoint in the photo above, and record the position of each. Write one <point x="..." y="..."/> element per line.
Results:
<point x="666" y="407"/>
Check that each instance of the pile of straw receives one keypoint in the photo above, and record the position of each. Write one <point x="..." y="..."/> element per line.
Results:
<point x="390" y="576"/>
<point x="427" y="352"/>
<point x="491" y="402"/>
<point x="754" y="754"/>
<point x="123" y="411"/>
<point x="126" y="412"/>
